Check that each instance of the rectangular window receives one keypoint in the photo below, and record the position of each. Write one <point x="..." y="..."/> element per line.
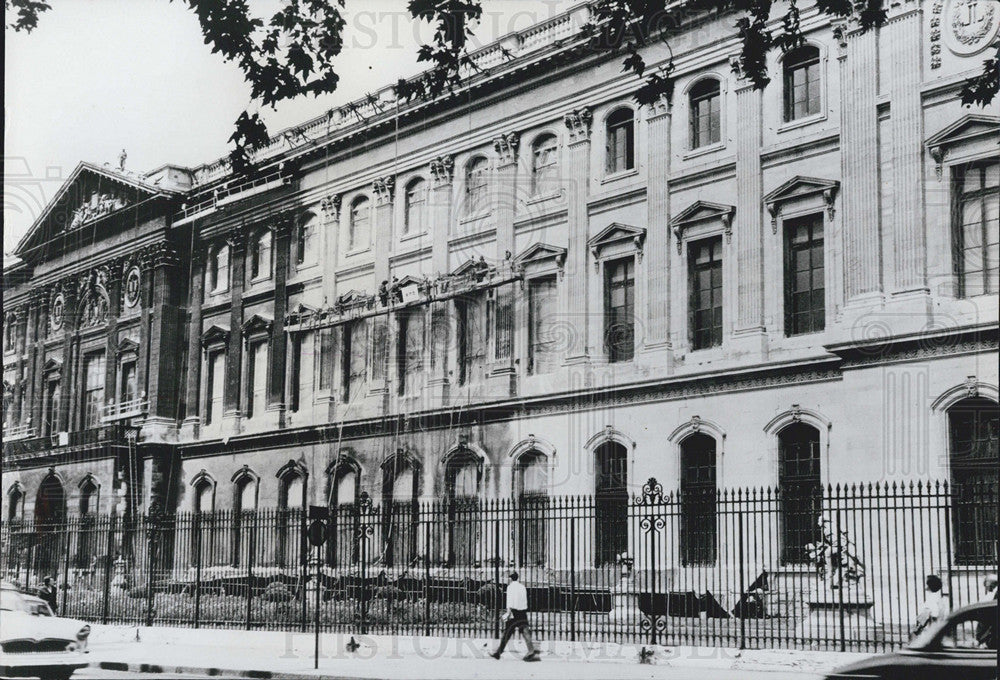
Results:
<point x="706" y="126"/>
<point x="619" y="310"/>
<point x="50" y="415"/>
<point x="802" y="86"/>
<point x="705" y="305"/>
<point x="355" y="357"/>
<point x="543" y="354"/>
<point x="805" y="307"/>
<point x="257" y="379"/>
<point x="620" y="141"/>
<point x="472" y="338"/>
<point x="326" y="359"/>
<point x="127" y="385"/>
<point x="93" y="390"/>
<point x="977" y="229"/>
<point x="215" y="387"/>
<point x="302" y="378"/>
<point x="410" y="352"/>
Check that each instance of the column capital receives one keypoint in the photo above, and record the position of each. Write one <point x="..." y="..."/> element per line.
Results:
<point x="281" y="223"/>
<point x="578" y="124"/>
<point x="443" y="170"/>
<point x="659" y="108"/>
<point x="237" y="239"/>
<point x="330" y="205"/>
<point x="384" y="188"/>
<point x="506" y="146"/>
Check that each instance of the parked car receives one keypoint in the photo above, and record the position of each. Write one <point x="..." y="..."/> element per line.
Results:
<point x="33" y="642"/>
<point x="962" y="645"/>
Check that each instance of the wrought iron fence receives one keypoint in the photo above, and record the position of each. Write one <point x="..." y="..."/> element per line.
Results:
<point x="660" y="568"/>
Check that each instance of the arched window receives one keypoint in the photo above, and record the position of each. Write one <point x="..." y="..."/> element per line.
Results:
<point x="706" y="127"/>
<point x="698" y="499"/>
<point x="360" y="225"/>
<point x="477" y="185"/>
<point x="400" y="479"/>
<point x="802" y="83"/>
<point x="305" y="252"/>
<point x="260" y="255"/>
<point x="545" y="164"/>
<point x="800" y="490"/>
<point x="15" y="504"/>
<point x="345" y="488"/>
<point x="88" y="497"/>
<point x="611" y="497"/>
<point x="531" y="487"/>
<point x="463" y="476"/>
<point x="244" y="519"/>
<point x="204" y="549"/>
<point x="415" y="217"/>
<point x="50" y="515"/>
<point x="291" y="500"/>
<point x="620" y="141"/>
<point x="974" y="459"/>
<point x="85" y="535"/>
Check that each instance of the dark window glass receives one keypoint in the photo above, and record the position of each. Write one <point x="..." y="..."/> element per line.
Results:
<point x="976" y="249"/>
<point x="975" y="461"/>
<point x="399" y="522"/>
<point x="705" y="118"/>
<point x="611" y="498"/>
<point x="698" y="525"/>
<point x="802" y="86"/>
<point x="473" y="338"/>
<point x="705" y="270"/>
<point x="805" y="290"/>
<point x="462" y="480"/>
<point x="619" y="310"/>
<point x="545" y="168"/>
<point x="543" y="331"/>
<point x="620" y="141"/>
<point x="532" y="486"/>
<point x="800" y="490"/>
<point x="93" y="390"/>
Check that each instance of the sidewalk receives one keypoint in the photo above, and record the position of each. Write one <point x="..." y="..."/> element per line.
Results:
<point x="278" y="655"/>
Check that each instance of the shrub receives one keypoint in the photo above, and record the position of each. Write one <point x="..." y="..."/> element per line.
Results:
<point x="389" y="592"/>
<point x="277" y="592"/>
<point x="138" y="592"/>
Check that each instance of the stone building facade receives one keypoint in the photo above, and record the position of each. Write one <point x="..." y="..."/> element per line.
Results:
<point x="536" y="287"/>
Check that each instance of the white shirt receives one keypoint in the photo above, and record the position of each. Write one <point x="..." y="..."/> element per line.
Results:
<point x="934" y="607"/>
<point x="517" y="596"/>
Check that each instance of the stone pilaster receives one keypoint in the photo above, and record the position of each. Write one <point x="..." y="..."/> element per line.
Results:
<point x="502" y="377"/>
<point x="279" y="340"/>
<point x="331" y="245"/>
<point x="36" y="390"/>
<point x="68" y="386"/>
<point x="859" y="155"/>
<point x="234" y="356"/>
<point x="164" y="339"/>
<point x="748" y="330"/>
<point x="114" y="283"/>
<point x="192" y="418"/>
<point x="656" y="324"/>
<point x="383" y="334"/>
<point x="384" y="190"/>
<point x="441" y="330"/>
<point x="904" y="50"/>
<point x="577" y="180"/>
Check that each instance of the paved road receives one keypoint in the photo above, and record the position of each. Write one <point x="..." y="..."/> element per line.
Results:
<point x="99" y="674"/>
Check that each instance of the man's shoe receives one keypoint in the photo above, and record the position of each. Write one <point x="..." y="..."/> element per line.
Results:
<point x="533" y="656"/>
<point x="495" y="655"/>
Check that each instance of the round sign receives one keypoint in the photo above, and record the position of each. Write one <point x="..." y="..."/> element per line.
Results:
<point x="132" y="287"/>
<point x="970" y="26"/>
<point x="56" y="315"/>
<point x="317" y="532"/>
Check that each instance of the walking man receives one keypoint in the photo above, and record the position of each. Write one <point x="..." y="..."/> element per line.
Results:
<point x="48" y="593"/>
<point x="517" y="619"/>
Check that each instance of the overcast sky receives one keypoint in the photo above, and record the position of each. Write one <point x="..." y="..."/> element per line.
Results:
<point x="99" y="76"/>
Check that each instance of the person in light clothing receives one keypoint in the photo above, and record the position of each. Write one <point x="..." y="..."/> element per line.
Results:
<point x="935" y="606"/>
<point x="517" y="619"/>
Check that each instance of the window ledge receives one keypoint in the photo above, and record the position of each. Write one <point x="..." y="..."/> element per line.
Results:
<point x="260" y="279"/>
<point x="802" y="122"/>
<point x="357" y="251"/>
<point x="474" y="217"/>
<point x="218" y="291"/>
<point x="414" y="235"/>
<point x="543" y="198"/>
<point x="704" y="150"/>
<point x="303" y="266"/>
<point x="621" y="174"/>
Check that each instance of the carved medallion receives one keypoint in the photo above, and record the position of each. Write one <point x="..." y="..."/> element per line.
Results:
<point x="132" y="280"/>
<point x="57" y="313"/>
<point x="970" y="26"/>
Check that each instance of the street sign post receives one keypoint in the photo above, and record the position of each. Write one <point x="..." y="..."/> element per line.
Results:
<point x="317" y="537"/>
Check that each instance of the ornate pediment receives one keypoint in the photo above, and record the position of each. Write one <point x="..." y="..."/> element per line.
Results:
<point x="469" y="266"/>
<point x="127" y="346"/>
<point x="215" y="335"/>
<point x="703" y="211"/>
<point x="52" y="365"/>
<point x="969" y="128"/>
<point x="256" y="325"/>
<point x="92" y="193"/>
<point x="541" y="253"/>
<point x="617" y="233"/>
<point x="801" y="187"/>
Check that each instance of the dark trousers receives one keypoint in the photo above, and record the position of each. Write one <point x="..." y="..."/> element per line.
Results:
<point x="517" y="621"/>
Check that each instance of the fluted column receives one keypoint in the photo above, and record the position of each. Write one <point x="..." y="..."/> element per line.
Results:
<point x="656" y="325"/>
<point x="164" y="339"/>
<point x="383" y="334"/>
<point x="282" y="228"/>
<point x="384" y="190"/>
<point x="859" y="155"/>
<point x="577" y="179"/>
<point x="327" y="355"/>
<point x="749" y="227"/>
<point x="67" y="388"/>
<point x="442" y="173"/>
<point x="234" y="355"/>
<point x="904" y="50"/>
<point x="114" y="281"/>
<point x="192" y="419"/>
<point x="502" y="377"/>
<point x="21" y="316"/>
<point x="35" y="333"/>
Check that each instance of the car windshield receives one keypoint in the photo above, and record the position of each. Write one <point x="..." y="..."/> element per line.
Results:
<point x="11" y="600"/>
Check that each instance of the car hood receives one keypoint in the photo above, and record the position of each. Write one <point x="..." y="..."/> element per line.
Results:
<point x="23" y="626"/>
<point x="903" y="657"/>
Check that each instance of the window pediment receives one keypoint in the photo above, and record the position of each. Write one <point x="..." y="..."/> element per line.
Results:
<point x="969" y="128"/>
<point x="800" y="187"/>
<point x="52" y="366"/>
<point x="615" y="234"/>
<point x="699" y="212"/>
<point x="256" y="325"/>
<point x="127" y="346"/>
<point x="540" y="254"/>
<point x="216" y="335"/>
